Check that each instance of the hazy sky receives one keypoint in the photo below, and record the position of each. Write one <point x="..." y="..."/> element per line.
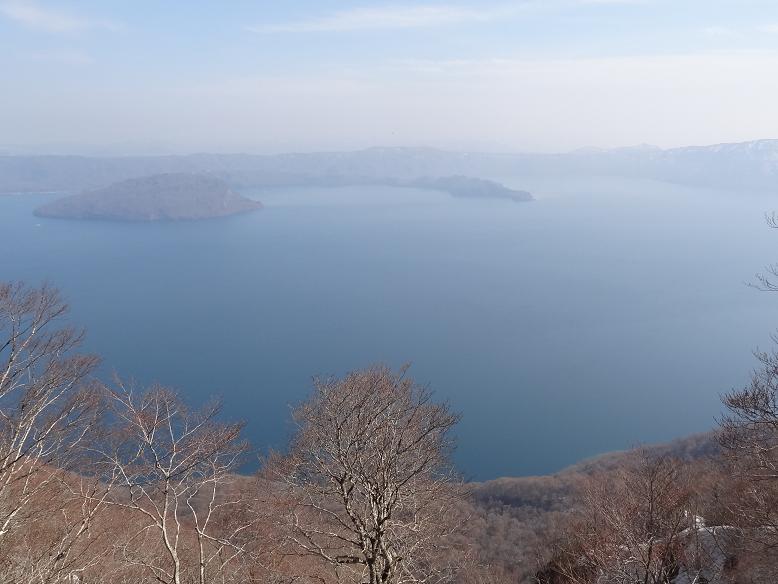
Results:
<point x="281" y="75"/>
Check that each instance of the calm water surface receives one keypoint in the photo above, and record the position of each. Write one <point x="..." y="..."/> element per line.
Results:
<point x="606" y="314"/>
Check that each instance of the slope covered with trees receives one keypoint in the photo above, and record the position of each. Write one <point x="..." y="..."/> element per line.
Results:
<point x="106" y="482"/>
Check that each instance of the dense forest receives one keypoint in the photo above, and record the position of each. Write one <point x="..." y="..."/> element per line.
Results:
<point x="102" y="481"/>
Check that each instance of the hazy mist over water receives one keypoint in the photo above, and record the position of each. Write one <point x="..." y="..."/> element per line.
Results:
<point x="548" y="324"/>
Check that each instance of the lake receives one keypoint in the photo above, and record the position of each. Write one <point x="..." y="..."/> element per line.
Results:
<point x="606" y="314"/>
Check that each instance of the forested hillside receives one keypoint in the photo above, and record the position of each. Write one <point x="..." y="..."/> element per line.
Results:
<point x="104" y="481"/>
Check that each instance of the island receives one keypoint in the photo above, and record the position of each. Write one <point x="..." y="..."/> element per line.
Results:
<point x="162" y="197"/>
<point x="465" y="186"/>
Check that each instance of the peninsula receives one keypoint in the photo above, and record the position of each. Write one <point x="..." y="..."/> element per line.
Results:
<point x="465" y="186"/>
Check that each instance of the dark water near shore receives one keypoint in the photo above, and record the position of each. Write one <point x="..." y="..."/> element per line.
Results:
<point x="605" y="314"/>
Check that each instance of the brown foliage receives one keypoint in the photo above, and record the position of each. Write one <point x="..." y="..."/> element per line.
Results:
<point x="631" y="525"/>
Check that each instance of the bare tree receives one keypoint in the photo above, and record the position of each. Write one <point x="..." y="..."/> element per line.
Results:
<point x="765" y="280"/>
<point x="749" y="434"/>
<point x="370" y="488"/>
<point x="633" y="527"/>
<point x="173" y="469"/>
<point x="46" y="408"/>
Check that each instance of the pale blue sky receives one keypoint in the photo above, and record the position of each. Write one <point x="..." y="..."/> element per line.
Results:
<point x="260" y="76"/>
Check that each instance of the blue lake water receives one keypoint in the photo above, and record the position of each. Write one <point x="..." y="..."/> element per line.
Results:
<point x="607" y="313"/>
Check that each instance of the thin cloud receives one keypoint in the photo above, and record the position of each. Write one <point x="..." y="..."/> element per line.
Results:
<point x="73" y="57"/>
<point x="719" y="32"/>
<point x="32" y="15"/>
<point x="613" y="1"/>
<point x="395" y="17"/>
<point x="769" y="28"/>
<point x="411" y="16"/>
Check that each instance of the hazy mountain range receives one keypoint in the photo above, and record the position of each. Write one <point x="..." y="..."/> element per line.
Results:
<point x="749" y="165"/>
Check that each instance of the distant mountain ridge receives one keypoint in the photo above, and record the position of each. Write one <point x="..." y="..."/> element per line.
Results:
<point x="748" y="165"/>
